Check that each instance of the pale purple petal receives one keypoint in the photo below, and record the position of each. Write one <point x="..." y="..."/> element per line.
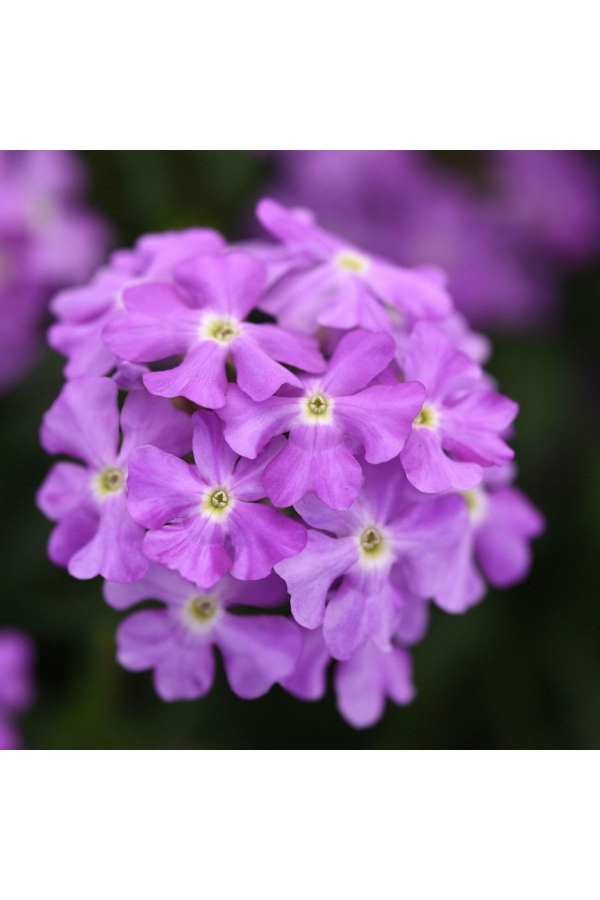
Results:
<point x="146" y="419"/>
<point x="310" y="574"/>
<point x="84" y="421"/>
<point x="66" y="486"/>
<point x="194" y="547"/>
<point x="75" y="529"/>
<point x="213" y="457"/>
<point x="294" y="349"/>
<point x="230" y="284"/>
<point x="200" y="377"/>
<point x="434" y="361"/>
<point x="353" y="305"/>
<point x="347" y="623"/>
<point x="471" y="429"/>
<point x="115" y="551"/>
<point x="363" y="683"/>
<point x="410" y="290"/>
<point x="357" y="359"/>
<point x="380" y="417"/>
<point x="258" y="375"/>
<point x="258" y="651"/>
<point x="161" y="487"/>
<point x="159" y="583"/>
<point x="463" y="586"/>
<point x="308" y="679"/>
<point x="261" y="537"/>
<point x="430" y="470"/>
<point x="81" y="343"/>
<point x="502" y="539"/>
<point x="143" y="638"/>
<point x="315" y="459"/>
<point x="185" y="672"/>
<point x="265" y="592"/>
<point x="159" y="324"/>
<point x="249" y="426"/>
<point x="248" y="476"/>
<point x="294" y="228"/>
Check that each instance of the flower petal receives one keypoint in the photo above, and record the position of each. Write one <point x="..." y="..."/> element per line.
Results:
<point x="471" y="429"/>
<point x="84" y="421"/>
<point x="429" y="469"/>
<point x="363" y="682"/>
<point x="261" y="537"/>
<point x="380" y="417"/>
<point x="66" y="486"/>
<point x="258" y="375"/>
<point x="146" y="419"/>
<point x="292" y="348"/>
<point x="194" y="547"/>
<point x="213" y="456"/>
<point x="159" y="583"/>
<point x="310" y="574"/>
<point x="115" y="551"/>
<point x="161" y="487"/>
<point x="230" y="283"/>
<point x="308" y="679"/>
<point x="258" y="651"/>
<point x="249" y="426"/>
<point x="357" y="359"/>
<point x="315" y="459"/>
<point x="200" y="377"/>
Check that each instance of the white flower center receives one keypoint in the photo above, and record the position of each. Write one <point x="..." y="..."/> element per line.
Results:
<point x="217" y="502"/>
<point x="222" y="329"/>
<point x="202" y="612"/>
<point x="477" y="504"/>
<point x="317" y="408"/>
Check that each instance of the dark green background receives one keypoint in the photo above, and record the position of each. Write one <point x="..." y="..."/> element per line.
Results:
<point x="522" y="670"/>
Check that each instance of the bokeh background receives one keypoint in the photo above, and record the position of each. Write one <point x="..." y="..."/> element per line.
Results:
<point x="520" y="671"/>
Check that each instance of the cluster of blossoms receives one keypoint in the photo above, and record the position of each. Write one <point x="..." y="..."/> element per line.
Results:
<point x="504" y="243"/>
<point x="48" y="239"/>
<point x="16" y="684"/>
<point x="294" y="424"/>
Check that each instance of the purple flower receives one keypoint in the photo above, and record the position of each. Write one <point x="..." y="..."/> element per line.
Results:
<point x="95" y="533"/>
<point x="502" y="524"/>
<point x="16" y="684"/>
<point x="203" y="519"/>
<point x="208" y="327"/>
<point x="85" y="311"/>
<point x="47" y="240"/>
<point x="178" y="640"/>
<point x="460" y="427"/>
<point x="362" y="683"/>
<point x="363" y="566"/>
<point x="554" y="197"/>
<point x="341" y="286"/>
<point x="320" y="416"/>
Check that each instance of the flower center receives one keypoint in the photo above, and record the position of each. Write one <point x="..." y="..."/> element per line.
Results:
<point x="427" y="418"/>
<point x="222" y="330"/>
<point x="371" y="541"/>
<point x="317" y="404"/>
<point x="203" y="608"/>
<point x="219" y="499"/>
<point x="349" y="261"/>
<point x="110" y="481"/>
<point x="476" y="500"/>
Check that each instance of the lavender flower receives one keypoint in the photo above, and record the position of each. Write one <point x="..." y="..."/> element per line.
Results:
<point x="16" y="684"/>
<point x="178" y="640"/>
<point x="203" y="519"/>
<point x="208" y="327"/>
<point x="95" y="534"/>
<point x="319" y="415"/>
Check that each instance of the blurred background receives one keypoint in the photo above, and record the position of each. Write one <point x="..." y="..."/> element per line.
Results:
<point x="519" y="235"/>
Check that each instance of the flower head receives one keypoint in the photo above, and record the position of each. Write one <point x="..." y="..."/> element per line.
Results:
<point x="178" y="640"/>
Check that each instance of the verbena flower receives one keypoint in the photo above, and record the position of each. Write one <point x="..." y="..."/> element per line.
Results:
<point x="206" y="325"/>
<point x="319" y="416"/>
<point x="386" y="549"/>
<point x="48" y="239"/>
<point x="341" y="286"/>
<point x="95" y="534"/>
<point x="16" y="684"/>
<point x="461" y="425"/>
<point x="204" y="520"/>
<point x="84" y="312"/>
<point x="178" y="640"/>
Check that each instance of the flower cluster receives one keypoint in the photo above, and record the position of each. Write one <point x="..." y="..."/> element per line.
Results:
<point x="16" y="684"/>
<point x="273" y="425"/>
<point x="48" y="239"/>
<point x="505" y="244"/>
